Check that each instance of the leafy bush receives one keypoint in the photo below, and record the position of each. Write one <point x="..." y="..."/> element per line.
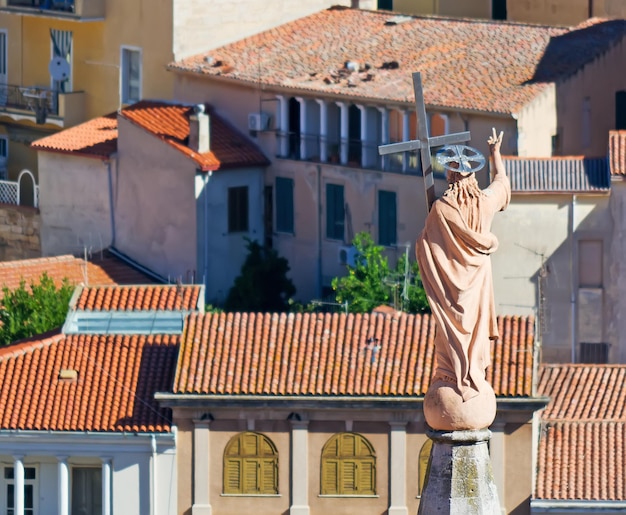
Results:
<point x="30" y="310"/>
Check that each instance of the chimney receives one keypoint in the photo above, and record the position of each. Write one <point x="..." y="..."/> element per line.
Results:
<point x="199" y="134"/>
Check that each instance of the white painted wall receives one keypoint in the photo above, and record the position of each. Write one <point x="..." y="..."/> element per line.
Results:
<point x="74" y="203"/>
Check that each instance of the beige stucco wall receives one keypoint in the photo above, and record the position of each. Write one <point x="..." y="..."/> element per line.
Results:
<point x="609" y="68"/>
<point x="546" y="229"/>
<point x="563" y="12"/>
<point x="514" y="428"/>
<point x="154" y="204"/>
<point x="468" y="8"/>
<point x="536" y="124"/>
<point x="616" y="284"/>
<point x="74" y="203"/>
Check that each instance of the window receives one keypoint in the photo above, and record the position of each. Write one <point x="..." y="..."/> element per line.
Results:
<point x="238" y="209"/>
<point x="498" y="9"/>
<point x="424" y="460"/>
<point x="590" y="264"/>
<point x="30" y="493"/>
<point x="439" y="124"/>
<point x="387" y="217"/>
<point x="284" y="205"/>
<point x="620" y="110"/>
<point x="86" y="490"/>
<point x="62" y="47"/>
<point x="594" y="353"/>
<point x="335" y="212"/>
<point x="250" y="465"/>
<point x="130" y="70"/>
<point x="348" y="466"/>
<point x="4" y="156"/>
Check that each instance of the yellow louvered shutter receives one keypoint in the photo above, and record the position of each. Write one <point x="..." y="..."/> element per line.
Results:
<point x="250" y="476"/>
<point x="348" y="445"/>
<point x="250" y="444"/>
<point x="269" y="479"/>
<point x="366" y="477"/>
<point x="232" y="476"/>
<point x="348" y="478"/>
<point x="330" y="476"/>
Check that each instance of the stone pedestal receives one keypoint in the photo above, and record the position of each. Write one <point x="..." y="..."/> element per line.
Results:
<point x="459" y="479"/>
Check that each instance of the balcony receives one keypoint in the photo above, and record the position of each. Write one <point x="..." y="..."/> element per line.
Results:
<point x="73" y="9"/>
<point x="344" y="152"/>
<point x="42" y="105"/>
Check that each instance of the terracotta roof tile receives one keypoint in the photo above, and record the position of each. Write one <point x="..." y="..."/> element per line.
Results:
<point x="468" y="64"/>
<point x="104" y="270"/>
<point x="582" y="446"/>
<point x="114" y="387"/>
<point x="170" y="122"/>
<point x="139" y="298"/>
<point x="95" y="138"/>
<point x="315" y="354"/>
<point x="617" y="152"/>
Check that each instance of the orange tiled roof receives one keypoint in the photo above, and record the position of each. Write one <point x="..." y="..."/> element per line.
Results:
<point x="582" y="446"/>
<point x="465" y="64"/>
<point x="139" y="298"/>
<point x="314" y="354"/>
<point x="95" y="138"/>
<point x="117" y="377"/>
<point x="617" y="152"/>
<point x="170" y="122"/>
<point x="100" y="270"/>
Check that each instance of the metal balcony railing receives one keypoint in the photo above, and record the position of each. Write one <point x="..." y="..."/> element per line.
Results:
<point x="346" y="152"/>
<point x="53" y="5"/>
<point x="39" y="100"/>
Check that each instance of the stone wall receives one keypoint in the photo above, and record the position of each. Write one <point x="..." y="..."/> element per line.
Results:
<point x="19" y="232"/>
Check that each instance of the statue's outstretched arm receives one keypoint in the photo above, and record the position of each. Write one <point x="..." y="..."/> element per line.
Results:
<point x="496" y="165"/>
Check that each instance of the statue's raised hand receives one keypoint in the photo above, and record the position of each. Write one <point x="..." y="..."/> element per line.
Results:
<point x="495" y="141"/>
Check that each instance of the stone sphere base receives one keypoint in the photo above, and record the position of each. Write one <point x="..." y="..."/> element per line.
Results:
<point x="445" y="410"/>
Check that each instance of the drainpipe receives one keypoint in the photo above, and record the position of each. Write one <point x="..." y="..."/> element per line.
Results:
<point x="319" y="232"/>
<point x="573" y="280"/>
<point x="111" y="203"/>
<point x="153" y="485"/>
<point x="205" y="235"/>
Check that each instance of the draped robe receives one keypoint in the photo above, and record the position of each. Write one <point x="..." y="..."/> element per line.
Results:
<point x="454" y="255"/>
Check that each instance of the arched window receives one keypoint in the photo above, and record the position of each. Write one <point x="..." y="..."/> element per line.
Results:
<point x="348" y="466"/>
<point x="423" y="463"/>
<point x="250" y="465"/>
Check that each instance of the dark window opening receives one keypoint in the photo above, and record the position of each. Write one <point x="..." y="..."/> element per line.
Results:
<point x="294" y="129"/>
<point x="594" y="353"/>
<point x="620" y="110"/>
<point x="238" y="209"/>
<point x="498" y="9"/>
<point x="354" y="135"/>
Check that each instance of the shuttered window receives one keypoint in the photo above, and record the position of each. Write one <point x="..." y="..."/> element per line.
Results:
<point x="387" y="218"/>
<point x="335" y="212"/>
<point x="238" y="209"/>
<point x="424" y="459"/>
<point x="348" y="466"/>
<point x="250" y="465"/>
<point x="284" y="205"/>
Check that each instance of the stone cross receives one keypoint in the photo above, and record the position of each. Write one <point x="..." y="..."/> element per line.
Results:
<point x="423" y="142"/>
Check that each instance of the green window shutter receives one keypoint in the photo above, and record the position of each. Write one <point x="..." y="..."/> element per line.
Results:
<point x="335" y="212"/>
<point x="284" y="205"/>
<point x="251" y="476"/>
<point x="232" y="476"/>
<point x="269" y="476"/>
<point x="330" y="477"/>
<point x="366" y="477"/>
<point x="387" y="218"/>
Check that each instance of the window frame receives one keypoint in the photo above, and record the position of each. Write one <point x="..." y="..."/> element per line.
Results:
<point x="342" y="461"/>
<point x="284" y="226"/>
<point x="125" y="82"/>
<point x="263" y="461"/>
<point x="27" y="482"/>
<point x="332" y="223"/>
<point x="238" y="220"/>
<point x="392" y="239"/>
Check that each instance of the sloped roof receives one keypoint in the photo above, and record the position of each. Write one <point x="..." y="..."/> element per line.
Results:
<point x="574" y="174"/>
<point x="465" y="63"/>
<point x="94" y="138"/>
<point x="582" y="446"/>
<point x="332" y="355"/>
<point x="101" y="270"/>
<point x="170" y="122"/>
<point x="617" y="153"/>
<point x="113" y="390"/>
<point x="138" y="298"/>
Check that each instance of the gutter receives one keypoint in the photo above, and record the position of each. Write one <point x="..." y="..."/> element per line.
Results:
<point x="553" y="506"/>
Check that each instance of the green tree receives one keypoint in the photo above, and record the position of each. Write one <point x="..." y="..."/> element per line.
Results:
<point x="371" y="282"/>
<point x="35" y="309"/>
<point x="263" y="284"/>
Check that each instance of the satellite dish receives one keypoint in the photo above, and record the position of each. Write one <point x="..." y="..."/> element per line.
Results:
<point x="59" y="68"/>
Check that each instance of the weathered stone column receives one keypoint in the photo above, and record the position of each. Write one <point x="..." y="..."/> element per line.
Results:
<point x="460" y="479"/>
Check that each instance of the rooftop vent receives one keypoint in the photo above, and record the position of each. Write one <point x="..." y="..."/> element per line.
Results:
<point x="68" y="374"/>
<point x="397" y="20"/>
